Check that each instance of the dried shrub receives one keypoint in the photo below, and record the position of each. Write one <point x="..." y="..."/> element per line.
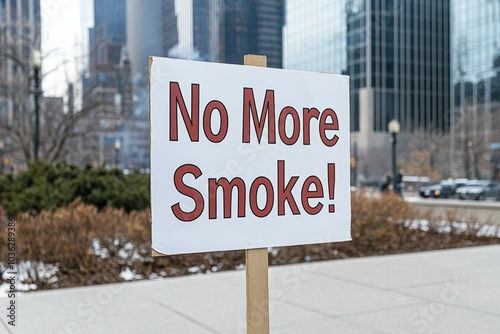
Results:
<point x="389" y="225"/>
<point x="91" y="246"/>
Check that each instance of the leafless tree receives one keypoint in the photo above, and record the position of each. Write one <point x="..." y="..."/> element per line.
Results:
<point x="423" y="153"/>
<point x="477" y="129"/>
<point x="60" y="126"/>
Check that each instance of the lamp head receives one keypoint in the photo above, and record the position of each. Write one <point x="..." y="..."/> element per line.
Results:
<point x="36" y="59"/>
<point x="118" y="145"/>
<point x="393" y="126"/>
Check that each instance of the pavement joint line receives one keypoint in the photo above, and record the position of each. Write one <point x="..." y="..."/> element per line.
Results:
<point x="312" y="310"/>
<point x="340" y="317"/>
<point x="457" y="306"/>
<point x="414" y="286"/>
<point x="7" y="328"/>
<point x="185" y="316"/>
<point x="429" y="300"/>
<point x="360" y="324"/>
<point x="388" y="308"/>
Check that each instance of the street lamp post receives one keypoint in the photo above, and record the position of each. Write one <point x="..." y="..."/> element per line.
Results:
<point x="393" y="127"/>
<point x="36" y="64"/>
<point x="1" y="156"/>
<point x="354" y="165"/>
<point x="118" y="146"/>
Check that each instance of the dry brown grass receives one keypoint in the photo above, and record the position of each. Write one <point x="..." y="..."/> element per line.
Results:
<point x="68" y="238"/>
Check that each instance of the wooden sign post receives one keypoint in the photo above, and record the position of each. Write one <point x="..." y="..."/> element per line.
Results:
<point x="257" y="265"/>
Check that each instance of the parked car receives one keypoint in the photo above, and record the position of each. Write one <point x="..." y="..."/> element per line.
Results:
<point x="493" y="193"/>
<point x="412" y="183"/>
<point x="444" y="189"/>
<point x="476" y="190"/>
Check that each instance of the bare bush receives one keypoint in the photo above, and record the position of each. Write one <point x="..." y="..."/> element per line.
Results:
<point x="93" y="247"/>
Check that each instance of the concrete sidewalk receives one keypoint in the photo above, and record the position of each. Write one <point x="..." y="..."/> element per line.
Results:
<point x="451" y="291"/>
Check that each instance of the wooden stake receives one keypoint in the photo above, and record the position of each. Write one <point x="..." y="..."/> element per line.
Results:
<point x="257" y="291"/>
<point x="257" y="265"/>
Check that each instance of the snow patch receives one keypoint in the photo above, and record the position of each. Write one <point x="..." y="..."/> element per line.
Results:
<point x="194" y="270"/>
<point x="129" y="275"/>
<point x="27" y="271"/>
<point x="461" y="227"/>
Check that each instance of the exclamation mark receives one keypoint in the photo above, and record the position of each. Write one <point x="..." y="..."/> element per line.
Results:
<point x="331" y="186"/>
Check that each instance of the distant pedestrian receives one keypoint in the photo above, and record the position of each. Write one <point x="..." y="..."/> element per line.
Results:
<point x="387" y="183"/>
<point x="398" y="184"/>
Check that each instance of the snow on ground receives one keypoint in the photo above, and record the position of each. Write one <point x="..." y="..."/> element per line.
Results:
<point x="129" y="275"/>
<point x="461" y="227"/>
<point x="128" y="253"/>
<point x="25" y="271"/>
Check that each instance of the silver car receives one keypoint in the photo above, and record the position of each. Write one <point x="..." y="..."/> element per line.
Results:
<point x="475" y="190"/>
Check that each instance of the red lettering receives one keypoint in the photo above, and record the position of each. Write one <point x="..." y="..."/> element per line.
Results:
<point x="296" y="125"/>
<point x="324" y="126"/>
<point x="193" y="123"/>
<point x="308" y="113"/>
<point x="267" y="111"/>
<point x="331" y="186"/>
<point x="261" y="181"/>
<point x="224" y="121"/>
<point x="307" y="194"/>
<point x="285" y="193"/>
<point x="312" y="188"/>
<point x="189" y="192"/>
<point x="227" y="190"/>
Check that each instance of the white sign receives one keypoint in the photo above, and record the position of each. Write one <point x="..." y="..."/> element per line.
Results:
<point x="247" y="157"/>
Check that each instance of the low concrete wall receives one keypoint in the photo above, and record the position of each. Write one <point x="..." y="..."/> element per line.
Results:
<point x="486" y="212"/>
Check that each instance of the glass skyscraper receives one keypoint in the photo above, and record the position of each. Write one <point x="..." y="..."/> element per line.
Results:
<point x="109" y="17"/>
<point x="169" y="26"/>
<point x="267" y="31"/>
<point x="20" y="33"/>
<point x="144" y="33"/>
<point x="151" y="31"/>
<point x="476" y="52"/>
<point x="225" y="30"/>
<point x="397" y="54"/>
<point x="476" y="38"/>
<point x="109" y="34"/>
<point x="315" y="36"/>
<point x="475" y="88"/>
<point x="401" y="50"/>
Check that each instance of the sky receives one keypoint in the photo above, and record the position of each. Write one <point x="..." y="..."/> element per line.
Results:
<point x="65" y="26"/>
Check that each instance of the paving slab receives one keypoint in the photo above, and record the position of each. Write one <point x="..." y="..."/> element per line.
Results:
<point x="449" y="291"/>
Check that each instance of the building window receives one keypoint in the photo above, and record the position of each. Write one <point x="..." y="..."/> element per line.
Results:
<point x="2" y="11"/>
<point x="37" y="11"/>
<point x="25" y="10"/>
<point x="13" y="10"/>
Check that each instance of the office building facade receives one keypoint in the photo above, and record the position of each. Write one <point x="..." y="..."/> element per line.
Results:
<point x="314" y="38"/>
<point x="397" y="54"/>
<point x="225" y="30"/>
<point x="120" y="135"/>
<point x="109" y="34"/>
<point x="169" y="26"/>
<point x="252" y="27"/>
<point x="399" y="61"/>
<point x="20" y="32"/>
<point x="475" y="88"/>
<point x="151" y="31"/>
